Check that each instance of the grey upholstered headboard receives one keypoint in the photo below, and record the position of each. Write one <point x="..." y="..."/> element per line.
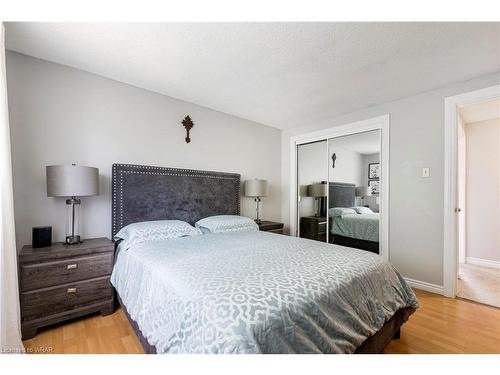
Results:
<point x="341" y="194"/>
<point x="145" y="193"/>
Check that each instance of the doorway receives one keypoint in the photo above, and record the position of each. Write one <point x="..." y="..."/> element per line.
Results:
<point x="478" y="193"/>
<point x="472" y="196"/>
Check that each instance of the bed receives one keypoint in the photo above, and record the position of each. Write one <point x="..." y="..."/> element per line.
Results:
<point x="360" y="231"/>
<point x="247" y="291"/>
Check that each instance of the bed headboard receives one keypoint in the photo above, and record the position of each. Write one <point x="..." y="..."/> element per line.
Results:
<point x="145" y="193"/>
<point x="341" y="194"/>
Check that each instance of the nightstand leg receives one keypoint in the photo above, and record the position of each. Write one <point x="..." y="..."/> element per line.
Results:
<point x="108" y="310"/>
<point x="28" y="332"/>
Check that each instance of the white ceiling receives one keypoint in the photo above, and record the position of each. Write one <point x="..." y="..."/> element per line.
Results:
<point x="364" y="143"/>
<point x="481" y="111"/>
<point x="278" y="74"/>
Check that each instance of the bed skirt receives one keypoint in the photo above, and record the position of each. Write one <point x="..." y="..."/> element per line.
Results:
<point x="370" y="246"/>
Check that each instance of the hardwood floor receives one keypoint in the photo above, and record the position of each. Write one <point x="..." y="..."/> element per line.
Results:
<point x="441" y="325"/>
<point x="96" y="334"/>
<point x="444" y="325"/>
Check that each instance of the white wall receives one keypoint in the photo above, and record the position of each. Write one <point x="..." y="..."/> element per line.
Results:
<point x="483" y="189"/>
<point x="60" y="115"/>
<point x="416" y="204"/>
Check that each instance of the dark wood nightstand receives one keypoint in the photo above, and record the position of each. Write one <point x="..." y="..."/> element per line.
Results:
<point x="313" y="227"/>
<point x="271" y="226"/>
<point x="60" y="282"/>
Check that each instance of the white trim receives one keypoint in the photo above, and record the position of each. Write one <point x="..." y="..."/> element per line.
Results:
<point x="450" y="251"/>
<point x="381" y="123"/>
<point x="483" y="262"/>
<point x="422" y="285"/>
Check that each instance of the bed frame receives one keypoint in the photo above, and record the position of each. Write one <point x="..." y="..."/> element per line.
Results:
<point x="342" y="194"/>
<point x="145" y="193"/>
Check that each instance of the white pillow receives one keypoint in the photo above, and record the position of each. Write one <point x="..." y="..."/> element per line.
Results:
<point x="159" y="230"/>
<point x="362" y="210"/>
<point x="341" y="211"/>
<point x="226" y="223"/>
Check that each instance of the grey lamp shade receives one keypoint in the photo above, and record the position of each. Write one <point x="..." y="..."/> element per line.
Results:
<point x="72" y="181"/>
<point x="363" y="191"/>
<point x="317" y="190"/>
<point x="256" y="188"/>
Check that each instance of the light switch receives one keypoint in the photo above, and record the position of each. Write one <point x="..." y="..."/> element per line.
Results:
<point x="426" y="172"/>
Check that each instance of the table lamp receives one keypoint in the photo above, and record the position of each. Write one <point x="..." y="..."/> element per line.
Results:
<point x="72" y="181"/>
<point x="256" y="188"/>
<point x="363" y="192"/>
<point x="318" y="191"/>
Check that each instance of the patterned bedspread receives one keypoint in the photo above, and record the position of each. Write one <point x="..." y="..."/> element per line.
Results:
<point x="257" y="292"/>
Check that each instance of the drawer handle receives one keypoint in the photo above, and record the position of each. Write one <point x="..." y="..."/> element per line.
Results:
<point x="72" y="266"/>
<point x="71" y="290"/>
<point x="322" y="222"/>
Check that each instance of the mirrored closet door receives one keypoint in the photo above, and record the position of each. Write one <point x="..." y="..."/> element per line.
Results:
<point x="338" y="188"/>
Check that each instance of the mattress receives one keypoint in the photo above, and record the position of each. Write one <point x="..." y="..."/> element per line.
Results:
<point x="360" y="226"/>
<point x="257" y="292"/>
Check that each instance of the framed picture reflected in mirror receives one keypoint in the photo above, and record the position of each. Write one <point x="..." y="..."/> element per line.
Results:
<point x="374" y="186"/>
<point x="373" y="171"/>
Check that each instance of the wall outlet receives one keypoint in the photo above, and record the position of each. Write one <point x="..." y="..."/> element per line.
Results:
<point x="426" y="172"/>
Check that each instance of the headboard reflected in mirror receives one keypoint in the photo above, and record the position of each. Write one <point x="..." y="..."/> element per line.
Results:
<point x="341" y="194"/>
<point x="145" y="193"/>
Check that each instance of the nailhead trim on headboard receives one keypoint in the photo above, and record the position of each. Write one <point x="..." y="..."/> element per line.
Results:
<point x="119" y="170"/>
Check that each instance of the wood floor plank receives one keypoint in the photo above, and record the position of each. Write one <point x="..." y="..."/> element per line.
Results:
<point x="440" y="325"/>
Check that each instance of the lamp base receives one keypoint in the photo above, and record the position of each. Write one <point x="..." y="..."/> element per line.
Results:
<point x="72" y="240"/>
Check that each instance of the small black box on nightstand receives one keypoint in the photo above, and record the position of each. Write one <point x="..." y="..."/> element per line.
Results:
<point x="42" y="237"/>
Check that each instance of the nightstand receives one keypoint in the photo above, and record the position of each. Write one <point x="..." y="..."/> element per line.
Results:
<point x="313" y="227"/>
<point x="60" y="282"/>
<point x="271" y="226"/>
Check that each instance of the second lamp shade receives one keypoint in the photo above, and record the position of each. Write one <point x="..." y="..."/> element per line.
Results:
<point x="363" y="191"/>
<point x="256" y="188"/>
<point x="317" y="190"/>
<point x="72" y="181"/>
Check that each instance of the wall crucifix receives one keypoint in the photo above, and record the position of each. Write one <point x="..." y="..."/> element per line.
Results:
<point x="188" y="124"/>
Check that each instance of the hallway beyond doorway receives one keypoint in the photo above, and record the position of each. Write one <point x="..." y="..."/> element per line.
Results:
<point x="480" y="284"/>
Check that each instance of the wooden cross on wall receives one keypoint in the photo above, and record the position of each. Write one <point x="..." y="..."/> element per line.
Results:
<point x="188" y="124"/>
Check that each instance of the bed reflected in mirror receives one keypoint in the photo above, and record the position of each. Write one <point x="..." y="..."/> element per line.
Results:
<point x="354" y="190"/>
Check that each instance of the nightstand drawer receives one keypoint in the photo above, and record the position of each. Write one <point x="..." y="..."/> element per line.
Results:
<point x="278" y="231"/>
<point x="271" y="226"/>
<point x="48" y="301"/>
<point x="313" y="227"/>
<point x="41" y="275"/>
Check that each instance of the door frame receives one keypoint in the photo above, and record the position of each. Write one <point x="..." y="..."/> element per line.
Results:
<point x="381" y="123"/>
<point x="452" y="105"/>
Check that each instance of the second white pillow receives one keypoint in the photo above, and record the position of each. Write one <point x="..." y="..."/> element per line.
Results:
<point x="226" y="223"/>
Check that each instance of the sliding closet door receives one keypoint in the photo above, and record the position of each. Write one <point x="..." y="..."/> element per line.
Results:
<point x="312" y="190"/>
<point x="354" y="190"/>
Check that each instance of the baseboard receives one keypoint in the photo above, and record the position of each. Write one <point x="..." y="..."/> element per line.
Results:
<point x="483" y="262"/>
<point x="428" y="287"/>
